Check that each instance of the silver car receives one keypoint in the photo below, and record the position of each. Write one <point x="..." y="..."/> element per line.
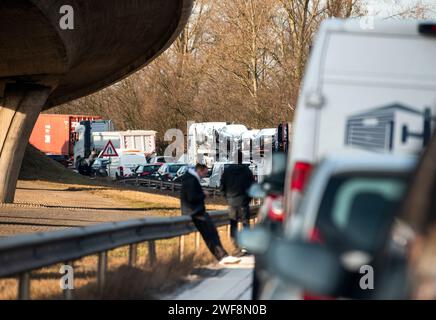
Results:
<point x="348" y="206"/>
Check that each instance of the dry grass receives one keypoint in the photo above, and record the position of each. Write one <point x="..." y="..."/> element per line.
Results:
<point x="123" y="281"/>
<point x="160" y="201"/>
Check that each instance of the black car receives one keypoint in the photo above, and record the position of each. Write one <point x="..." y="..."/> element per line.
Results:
<point x="146" y="170"/>
<point x="168" y="171"/>
<point x="99" y="167"/>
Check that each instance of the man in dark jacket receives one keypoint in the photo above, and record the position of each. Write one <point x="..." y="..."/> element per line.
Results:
<point x="235" y="182"/>
<point x="192" y="204"/>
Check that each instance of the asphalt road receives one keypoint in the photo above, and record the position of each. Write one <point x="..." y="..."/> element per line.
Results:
<point x="217" y="282"/>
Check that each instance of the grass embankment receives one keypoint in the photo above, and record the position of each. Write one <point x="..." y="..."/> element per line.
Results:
<point x="37" y="166"/>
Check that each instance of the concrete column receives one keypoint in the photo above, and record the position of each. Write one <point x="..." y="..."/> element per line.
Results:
<point x="19" y="110"/>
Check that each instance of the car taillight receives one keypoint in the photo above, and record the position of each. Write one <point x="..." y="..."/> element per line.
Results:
<point x="276" y="208"/>
<point x="300" y="175"/>
<point x="428" y="29"/>
<point x="315" y="236"/>
<point x="121" y="171"/>
<point x="310" y="296"/>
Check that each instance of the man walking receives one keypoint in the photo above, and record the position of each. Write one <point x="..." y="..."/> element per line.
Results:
<point x="192" y="203"/>
<point x="235" y="182"/>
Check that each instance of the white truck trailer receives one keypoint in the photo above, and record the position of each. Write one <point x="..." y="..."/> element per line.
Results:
<point x="201" y="142"/>
<point x="142" y="140"/>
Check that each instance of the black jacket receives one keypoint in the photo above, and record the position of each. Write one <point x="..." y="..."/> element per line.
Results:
<point x="191" y="195"/>
<point x="235" y="182"/>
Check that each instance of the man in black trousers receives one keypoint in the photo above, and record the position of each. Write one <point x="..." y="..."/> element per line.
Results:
<point x="192" y="204"/>
<point x="235" y="182"/>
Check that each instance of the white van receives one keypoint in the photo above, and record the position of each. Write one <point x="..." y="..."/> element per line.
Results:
<point x="125" y="163"/>
<point x="218" y="170"/>
<point x="364" y="91"/>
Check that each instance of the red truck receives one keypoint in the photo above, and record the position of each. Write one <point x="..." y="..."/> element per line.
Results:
<point x="53" y="134"/>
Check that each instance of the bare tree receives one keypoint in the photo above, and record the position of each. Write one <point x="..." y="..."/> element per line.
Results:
<point x="236" y="61"/>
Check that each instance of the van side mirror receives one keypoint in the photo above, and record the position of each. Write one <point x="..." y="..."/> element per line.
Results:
<point x="256" y="191"/>
<point x="315" y="268"/>
<point x="255" y="240"/>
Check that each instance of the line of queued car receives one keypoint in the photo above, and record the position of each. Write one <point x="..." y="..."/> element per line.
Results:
<point x="157" y="168"/>
<point x="343" y="214"/>
<point x="169" y="172"/>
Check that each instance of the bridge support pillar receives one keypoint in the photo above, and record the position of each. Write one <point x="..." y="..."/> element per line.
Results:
<point x="19" y="110"/>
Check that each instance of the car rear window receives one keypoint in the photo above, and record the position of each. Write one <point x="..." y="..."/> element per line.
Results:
<point x="356" y="211"/>
<point x="148" y="169"/>
<point x="174" y="169"/>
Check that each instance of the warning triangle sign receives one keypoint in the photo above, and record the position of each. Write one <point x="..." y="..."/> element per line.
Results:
<point x="109" y="150"/>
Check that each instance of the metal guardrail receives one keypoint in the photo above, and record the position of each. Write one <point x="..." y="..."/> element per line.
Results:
<point x="173" y="186"/>
<point x="21" y="254"/>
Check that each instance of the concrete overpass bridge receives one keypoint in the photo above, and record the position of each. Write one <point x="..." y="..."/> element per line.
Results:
<point x="42" y="64"/>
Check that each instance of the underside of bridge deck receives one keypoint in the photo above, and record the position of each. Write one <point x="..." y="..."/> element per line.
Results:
<point x="43" y="64"/>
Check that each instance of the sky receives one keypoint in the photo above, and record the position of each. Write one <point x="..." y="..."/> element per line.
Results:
<point x="388" y="7"/>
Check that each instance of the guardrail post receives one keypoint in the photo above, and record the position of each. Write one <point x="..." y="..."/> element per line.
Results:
<point x="161" y="184"/>
<point x="101" y="271"/>
<point x="181" y="247"/>
<point x="132" y="254"/>
<point x="173" y="187"/>
<point x="137" y="181"/>
<point x="152" y="252"/>
<point x="24" y="286"/>
<point x="68" y="293"/>
<point x="197" y="240"/>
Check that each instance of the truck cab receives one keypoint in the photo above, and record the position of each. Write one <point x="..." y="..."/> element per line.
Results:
<point x="83" y="137"/>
